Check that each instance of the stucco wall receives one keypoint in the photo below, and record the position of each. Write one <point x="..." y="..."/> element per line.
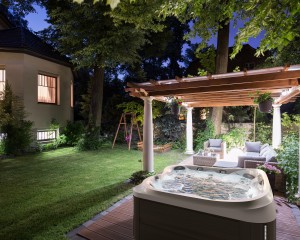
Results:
<point x="22" y="72"/>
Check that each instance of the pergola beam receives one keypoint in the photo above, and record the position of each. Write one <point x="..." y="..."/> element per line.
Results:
<point x="289" y="97"/>
<point x="221" y="88"/>
<point x="220" y="104"/>
<point x="202" y="97"/>
<point x="257" y="79"/>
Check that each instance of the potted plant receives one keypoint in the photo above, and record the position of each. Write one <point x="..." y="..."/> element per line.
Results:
<point x="176" y="105"/>
<point x="270" y="170"/>
<point x="264" y="101"/>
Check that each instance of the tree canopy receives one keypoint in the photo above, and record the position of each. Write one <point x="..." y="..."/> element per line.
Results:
<point x="276" y="19"/>
<point x="90" y="37"/>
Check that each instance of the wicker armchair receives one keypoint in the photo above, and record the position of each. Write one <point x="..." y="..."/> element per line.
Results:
<point x="279" y="178"/>
<point x="221" y="149"/>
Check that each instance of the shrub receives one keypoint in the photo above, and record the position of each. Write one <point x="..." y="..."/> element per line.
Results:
<point x="17" y="131"/>
<point x="90" y="140"/>
<point x="73" y="132"/>
<point x="180" y="144"/>
<point x="60" y="141"/>
<point x="263" y="133"/>
<point x="291" y="123"/>
<point x="167" y="129"/>
<point x="235" y="138"/>
<point x="204" y="135"/>
<point x="288" y="158"/>
<point x="137" y="177"/>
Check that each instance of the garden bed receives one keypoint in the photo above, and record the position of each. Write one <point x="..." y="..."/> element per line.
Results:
<point x="157" y="148"/>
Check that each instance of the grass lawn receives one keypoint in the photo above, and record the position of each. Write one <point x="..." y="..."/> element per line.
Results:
<point x="45" y="195"/>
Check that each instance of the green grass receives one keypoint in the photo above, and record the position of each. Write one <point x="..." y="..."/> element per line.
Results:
<point x="45" y="195"/>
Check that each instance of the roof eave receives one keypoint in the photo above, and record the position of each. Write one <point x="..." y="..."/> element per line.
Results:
<point x="26" y="51"/>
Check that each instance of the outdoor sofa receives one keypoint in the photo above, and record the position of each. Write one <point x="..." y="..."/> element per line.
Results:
<point x="255" y="151"/>
<point x="257" y="154"/>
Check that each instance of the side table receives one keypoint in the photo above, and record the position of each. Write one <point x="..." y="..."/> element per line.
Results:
<point x="202" y="160"/>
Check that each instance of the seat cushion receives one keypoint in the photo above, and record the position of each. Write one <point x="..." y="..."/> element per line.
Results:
<point x="215" y="149"/>
<point x="252" y="146"/>
<point x="251" y="154"/>
<point x="215" y="142"/>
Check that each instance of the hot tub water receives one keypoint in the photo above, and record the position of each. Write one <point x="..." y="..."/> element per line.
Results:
<point x="210" y="184"/>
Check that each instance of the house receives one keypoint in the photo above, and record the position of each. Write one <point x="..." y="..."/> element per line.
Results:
<point x="38" y="74"/>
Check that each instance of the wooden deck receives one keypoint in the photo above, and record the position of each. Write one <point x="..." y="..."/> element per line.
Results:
<point x="118" y="223"/>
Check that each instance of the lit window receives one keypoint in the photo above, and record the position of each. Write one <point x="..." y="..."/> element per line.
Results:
<point x="47" y="89"/>
<point x="2" y="80"/>
<point x="46" y="135"/>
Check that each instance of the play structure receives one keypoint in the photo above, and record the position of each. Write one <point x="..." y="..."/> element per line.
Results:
<point x="128" y="133"/>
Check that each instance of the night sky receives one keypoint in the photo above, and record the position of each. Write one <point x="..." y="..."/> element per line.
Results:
<point x="36" y="22"/>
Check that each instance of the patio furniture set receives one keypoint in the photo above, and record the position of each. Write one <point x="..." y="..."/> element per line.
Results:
<point x="252" y="155"/>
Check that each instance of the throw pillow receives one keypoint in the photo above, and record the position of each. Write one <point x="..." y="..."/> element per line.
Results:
<point x="271" y="156"/>
<point x="215" y="142"/>
<point x="264" y="146"/>
<point x="253" y="146"/>
<point x="263" y="152"/>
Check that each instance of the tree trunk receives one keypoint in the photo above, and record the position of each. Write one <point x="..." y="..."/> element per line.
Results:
<point x="96" y="96"/>
<point x="221" y="67"/>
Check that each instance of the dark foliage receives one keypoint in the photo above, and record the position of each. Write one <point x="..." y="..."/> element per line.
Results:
<point x="13" y="124"/>
<point x="137" y="177"/>
<point x="167" y="128"/>
<point x="73" y="132"/>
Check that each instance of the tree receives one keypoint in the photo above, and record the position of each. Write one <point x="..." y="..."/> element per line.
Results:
<point x="209" y="18"/>
<point x="277" y="19"/>
<point x="90" y="37"/>
<point x="161" y="55"/>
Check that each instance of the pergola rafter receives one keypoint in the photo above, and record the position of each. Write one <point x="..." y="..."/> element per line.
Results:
<point x="230" y="89"/>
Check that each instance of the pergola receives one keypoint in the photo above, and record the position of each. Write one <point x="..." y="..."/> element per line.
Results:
<point x="229" y="89"/>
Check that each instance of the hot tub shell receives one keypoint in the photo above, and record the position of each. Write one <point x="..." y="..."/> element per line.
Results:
<point x="164" y="215"/>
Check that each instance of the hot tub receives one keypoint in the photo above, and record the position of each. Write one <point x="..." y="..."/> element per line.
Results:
<point x="192" y="202"/>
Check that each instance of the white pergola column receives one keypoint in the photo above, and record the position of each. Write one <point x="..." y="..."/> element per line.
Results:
<point x="189" y="131"/>
<point x="148" y="159"/>
<point x="276" y="131"/>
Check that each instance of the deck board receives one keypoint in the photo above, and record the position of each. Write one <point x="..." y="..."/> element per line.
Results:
<point x="118" y="223"/>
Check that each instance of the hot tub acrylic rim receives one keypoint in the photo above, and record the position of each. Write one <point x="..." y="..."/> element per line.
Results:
<point x="266" y="187"/>
<point x="256" y="210"/>
<point x="261" y="210"/>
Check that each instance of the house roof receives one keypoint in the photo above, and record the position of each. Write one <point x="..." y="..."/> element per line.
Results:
<point x="19" y="39"/>
<point x="229" y="89"/>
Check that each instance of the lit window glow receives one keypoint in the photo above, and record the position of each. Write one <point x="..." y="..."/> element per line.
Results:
<point x="2" y="80"/>
<point x="46" y="135"/>
<point x="47" y="89"/>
